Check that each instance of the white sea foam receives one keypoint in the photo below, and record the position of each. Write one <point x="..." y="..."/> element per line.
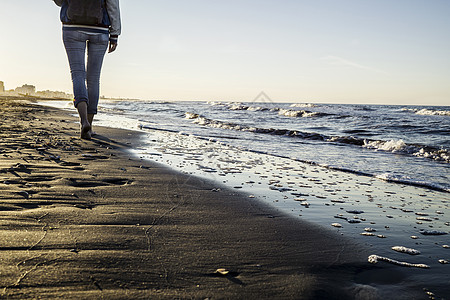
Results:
<point x="367" y="234"/>
<point x="409" y="181"/>
<point x="217" y="124"/>
<point x="433" y="112"/>
<point x="428" y="112"/>
<point x="399" y="146"/>
<point x="387" y="177"/>
<point x="291" y="113"/>
<point x="303" y="105"/>
<point x="373" y="259"/>
<point x="257" y="108"/>
<point x="190" y="115"/>
<point x="310" y="114"/>
<point x="240" y="106"/>
<point x="406" y="250"/>
<point x="440" y="155"/>
<point x="237" y="107"/>
<point x="389" y="146"/>
<point x="215" y="103"/>
<point x="297" y="113"/>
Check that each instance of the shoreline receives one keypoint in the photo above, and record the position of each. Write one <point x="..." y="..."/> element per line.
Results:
<point x="87" y="219"/>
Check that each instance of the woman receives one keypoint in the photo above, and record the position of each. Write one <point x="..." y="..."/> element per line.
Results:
<point x="81" y="32"/>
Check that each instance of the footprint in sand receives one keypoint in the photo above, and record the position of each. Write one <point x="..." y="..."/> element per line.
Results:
<point x="18" y="206"/>
<point x="96" y="183"/>
<point x="92" y="157"/>
<point x="69" y="164"/>
<point x="39" y="178"/>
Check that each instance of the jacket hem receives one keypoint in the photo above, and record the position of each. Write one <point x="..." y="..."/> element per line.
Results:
<point x="98" y="29"/>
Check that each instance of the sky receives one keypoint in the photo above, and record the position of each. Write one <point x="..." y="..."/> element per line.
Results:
<point x="319" y="51"/>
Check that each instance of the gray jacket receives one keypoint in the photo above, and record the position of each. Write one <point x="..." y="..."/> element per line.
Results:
<point x="113" y="9"/>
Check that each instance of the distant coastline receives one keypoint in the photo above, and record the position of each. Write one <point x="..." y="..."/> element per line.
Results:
<point x="29" y="91"/>
<point x="28" y="97"/>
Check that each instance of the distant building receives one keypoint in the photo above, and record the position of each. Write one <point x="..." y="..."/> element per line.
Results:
<point x="30" y="91"/>
<point x="53" y="94"/>
<point x="26" y="89"/>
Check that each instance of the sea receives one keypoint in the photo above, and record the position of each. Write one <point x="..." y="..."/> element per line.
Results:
<point x="378" y="174"/>
<point x="397" y="143"/>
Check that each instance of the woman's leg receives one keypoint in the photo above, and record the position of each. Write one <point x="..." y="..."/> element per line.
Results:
<point x="97" y="46"/>
<point x="75" y="44"/>
<point x="90" y="118"/>
<point x="86" y="127"/>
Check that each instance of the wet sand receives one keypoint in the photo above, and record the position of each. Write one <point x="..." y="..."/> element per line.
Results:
<point x="87" y="219"/>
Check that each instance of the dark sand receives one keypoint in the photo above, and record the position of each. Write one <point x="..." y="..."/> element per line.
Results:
<point x="86" y="220"/>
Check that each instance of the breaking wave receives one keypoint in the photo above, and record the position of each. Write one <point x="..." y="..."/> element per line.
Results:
<point x="245" y="107"/>
<point x="399" y="146"/>
<point x="427" y="112"/>
<point x="300" y="113"/>
<point x="303" y="105"/>
<point x="281" y="111"/>
<point x="409" y="181"/>
<point x="393" y="146"/>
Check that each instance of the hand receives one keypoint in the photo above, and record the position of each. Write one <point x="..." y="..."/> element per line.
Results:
<point x="112" y="47"/>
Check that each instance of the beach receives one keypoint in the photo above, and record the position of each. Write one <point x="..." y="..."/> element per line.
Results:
<point x="90" y="219"/>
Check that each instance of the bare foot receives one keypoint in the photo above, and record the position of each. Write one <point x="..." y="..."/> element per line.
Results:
<point x="86" y="132"/>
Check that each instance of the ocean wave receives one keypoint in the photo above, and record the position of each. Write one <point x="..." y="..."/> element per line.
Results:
<point x="249" y="108"/>
<point x="257" y="108"/>
<point x="427" y="112"/>
<point x="281" y="111"/>
<point x="364" y="108"/>
<point x="410" y="181"/>
<point x="215" y="103"/>
<point x="189" y="115"/>
<point x="303" y="105"/>
<point x="440" y="155"/>
<point x="351" y="140"/>
<point x="238" y="107"/>
<point x="389" y="146"/>
<point x="300" y="113"/>
<point x="399" y="146"/>
<point x="393" y="146"/>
